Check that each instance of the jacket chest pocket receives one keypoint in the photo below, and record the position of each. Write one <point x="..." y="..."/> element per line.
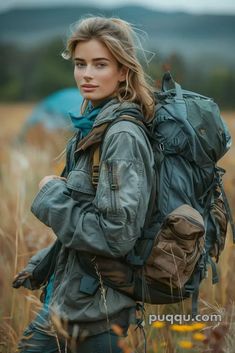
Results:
<point x="79" y="182"/>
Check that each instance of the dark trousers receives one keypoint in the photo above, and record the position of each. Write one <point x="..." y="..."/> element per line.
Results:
<point x="40" y="338"/>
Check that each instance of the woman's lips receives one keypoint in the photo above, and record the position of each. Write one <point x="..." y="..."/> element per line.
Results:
<point x="88" y="88"/>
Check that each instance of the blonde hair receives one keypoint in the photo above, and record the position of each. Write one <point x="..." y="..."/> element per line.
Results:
<point x="118" y="36"/>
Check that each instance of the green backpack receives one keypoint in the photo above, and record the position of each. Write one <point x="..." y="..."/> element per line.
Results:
<point x="186" y="223"/>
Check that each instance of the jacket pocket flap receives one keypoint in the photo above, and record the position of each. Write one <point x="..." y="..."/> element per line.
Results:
<point x="80" y="180"/>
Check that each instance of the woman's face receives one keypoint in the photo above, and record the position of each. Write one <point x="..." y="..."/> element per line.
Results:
<point x="96" y="71"/>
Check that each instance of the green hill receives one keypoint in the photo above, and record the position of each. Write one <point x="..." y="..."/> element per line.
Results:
<point x="194" y="36"/>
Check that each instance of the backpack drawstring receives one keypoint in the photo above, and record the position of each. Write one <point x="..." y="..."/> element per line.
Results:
<point x="140" y="322"/>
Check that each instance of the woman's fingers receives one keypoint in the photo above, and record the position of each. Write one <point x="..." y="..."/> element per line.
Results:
<point x="20" y="278"/>
<point x="48" y="178"/>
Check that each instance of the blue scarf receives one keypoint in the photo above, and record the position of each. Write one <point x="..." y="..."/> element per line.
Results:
<point x="85" y="121"/>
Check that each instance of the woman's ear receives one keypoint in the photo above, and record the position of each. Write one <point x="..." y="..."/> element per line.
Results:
<point x="123" y="73"/>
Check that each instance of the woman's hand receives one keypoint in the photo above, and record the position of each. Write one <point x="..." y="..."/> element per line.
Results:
<point x="20" y="278"/>
<point x="48" y="178"/>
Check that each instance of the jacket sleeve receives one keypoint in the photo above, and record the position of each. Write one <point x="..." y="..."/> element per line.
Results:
<point x="34" y="261"/>
<point x="112" y="222"/>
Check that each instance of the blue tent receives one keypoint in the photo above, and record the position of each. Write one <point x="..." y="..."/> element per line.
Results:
<point x="53" y="111"/>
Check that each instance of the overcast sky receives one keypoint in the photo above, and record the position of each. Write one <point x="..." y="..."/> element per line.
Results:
<point x="195" y="6"/>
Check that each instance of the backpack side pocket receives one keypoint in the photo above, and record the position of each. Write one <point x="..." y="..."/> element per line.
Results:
<point x="177" y="248"/>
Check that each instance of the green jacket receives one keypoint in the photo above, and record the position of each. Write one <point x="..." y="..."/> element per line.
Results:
<point x="106" y="221"/>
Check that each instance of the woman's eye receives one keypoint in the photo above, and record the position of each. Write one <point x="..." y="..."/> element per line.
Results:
<point x="80" y="65"/>
<point x="100" y="65"/>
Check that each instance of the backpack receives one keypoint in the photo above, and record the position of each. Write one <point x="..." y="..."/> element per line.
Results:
<point x="186" y="223"/>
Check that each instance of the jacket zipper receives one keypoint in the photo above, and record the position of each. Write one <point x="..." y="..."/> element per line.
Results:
<point x="113" y="187"/>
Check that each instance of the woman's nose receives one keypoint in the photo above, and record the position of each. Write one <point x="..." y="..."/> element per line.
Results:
<point x="88" y="72"/>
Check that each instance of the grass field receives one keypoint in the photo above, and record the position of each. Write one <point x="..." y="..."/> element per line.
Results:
<point x="21" y="235"/>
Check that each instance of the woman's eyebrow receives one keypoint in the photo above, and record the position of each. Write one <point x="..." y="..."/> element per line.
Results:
<point x="95" y="59"/>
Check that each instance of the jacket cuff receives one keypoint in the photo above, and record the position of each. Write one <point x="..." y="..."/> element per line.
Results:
<point x="39" y="207"/>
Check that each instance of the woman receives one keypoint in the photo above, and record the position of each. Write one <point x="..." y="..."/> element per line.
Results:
<point x="104" y="220"/>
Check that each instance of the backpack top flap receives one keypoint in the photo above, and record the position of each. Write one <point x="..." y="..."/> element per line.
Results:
<point x="201" y="128"/>
<point x="212" y="132"/>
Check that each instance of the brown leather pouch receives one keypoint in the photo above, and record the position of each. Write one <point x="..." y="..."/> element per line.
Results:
<point x="177" y="247"/>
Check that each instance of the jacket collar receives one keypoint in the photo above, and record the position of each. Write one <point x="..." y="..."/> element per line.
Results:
<point x="114" y="109"/>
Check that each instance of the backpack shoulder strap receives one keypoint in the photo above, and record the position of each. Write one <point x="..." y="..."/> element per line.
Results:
<point x="95" y="166"/>
<point x="96" y="152"/>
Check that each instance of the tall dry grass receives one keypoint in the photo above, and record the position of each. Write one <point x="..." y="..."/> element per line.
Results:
<point x="21" y="168"/>
<point x="21" y="235"/>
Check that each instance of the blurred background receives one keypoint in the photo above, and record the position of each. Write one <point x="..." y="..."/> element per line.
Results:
<point x="194" y="39"/>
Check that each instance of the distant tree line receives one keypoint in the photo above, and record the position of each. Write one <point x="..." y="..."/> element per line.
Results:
<point x="29" y="75"/>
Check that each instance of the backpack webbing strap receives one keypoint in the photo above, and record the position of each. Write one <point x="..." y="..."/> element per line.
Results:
<point x="217" y="235"/>
<point x="198" y="276"/>
<point x="192" y="286"/>
<point x="215" y="276"/>
<point x="95" y="166"/>
<point x="168" y="81"/>
<point x="220" y="173"/>
<point x="140" y="323"/>
<point x="228" y="210"/>
<point x="195" y="295"/>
